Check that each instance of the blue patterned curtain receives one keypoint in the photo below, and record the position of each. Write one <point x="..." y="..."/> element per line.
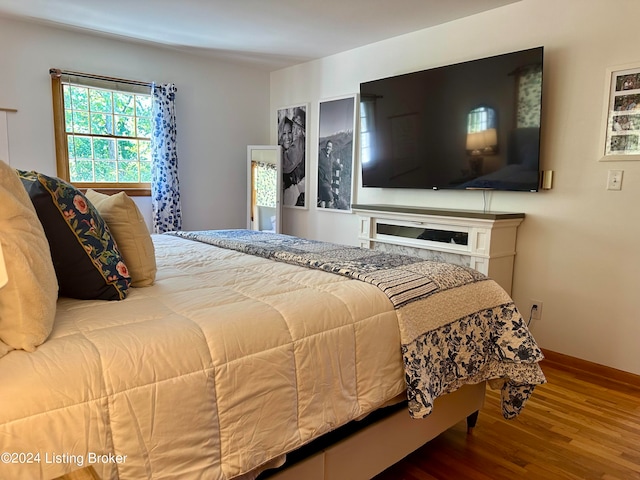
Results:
<point x="165" y="190"/>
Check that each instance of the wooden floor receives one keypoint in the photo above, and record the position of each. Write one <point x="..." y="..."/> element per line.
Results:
<point x="577" y="426"/>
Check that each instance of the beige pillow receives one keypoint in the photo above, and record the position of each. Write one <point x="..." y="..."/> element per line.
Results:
<point x="28" y="300"/>
<point x="131" y="234"/>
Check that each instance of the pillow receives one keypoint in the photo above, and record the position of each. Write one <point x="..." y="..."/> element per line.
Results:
<point x="85" y="256"/>
<point x="28" y="300"/>
<point x="128" y="227"/>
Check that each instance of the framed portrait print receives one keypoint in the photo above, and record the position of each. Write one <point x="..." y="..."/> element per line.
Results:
<point x="292" y="123"/>
<point x="336" y="153"/>
<point x="621" y="119"/>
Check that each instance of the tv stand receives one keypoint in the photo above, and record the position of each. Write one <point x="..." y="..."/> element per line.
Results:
<point x="485" y="241"/>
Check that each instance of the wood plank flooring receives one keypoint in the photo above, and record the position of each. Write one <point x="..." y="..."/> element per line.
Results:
<point x="577" y="426"/>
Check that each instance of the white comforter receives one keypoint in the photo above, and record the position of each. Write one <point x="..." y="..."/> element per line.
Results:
<point x="226" y="363"/>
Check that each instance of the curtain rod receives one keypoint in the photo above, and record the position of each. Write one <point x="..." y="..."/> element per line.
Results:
<point x="56" y="72"/>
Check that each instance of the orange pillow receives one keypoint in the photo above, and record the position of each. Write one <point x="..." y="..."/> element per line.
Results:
<point x="131" y="234"/>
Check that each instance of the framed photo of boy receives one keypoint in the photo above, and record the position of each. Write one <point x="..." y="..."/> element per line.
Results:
<point x="621" y="119"/>
<point x="292" y="138"/>
<point x="336" y="153"/>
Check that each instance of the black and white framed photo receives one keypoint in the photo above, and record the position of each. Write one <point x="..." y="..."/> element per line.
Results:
<point x="336" y="153"/>
<point x="621" y="118"/>
<point x="292" y="123"/>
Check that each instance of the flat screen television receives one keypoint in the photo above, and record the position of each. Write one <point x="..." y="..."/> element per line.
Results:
<point x="471" y="125"/>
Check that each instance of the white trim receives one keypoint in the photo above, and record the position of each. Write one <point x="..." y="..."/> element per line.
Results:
<point x="4" y="137"/>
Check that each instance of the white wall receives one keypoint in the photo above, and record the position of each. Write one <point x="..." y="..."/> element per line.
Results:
<point x="578" y="246"/>
<point x="220" y="107"/>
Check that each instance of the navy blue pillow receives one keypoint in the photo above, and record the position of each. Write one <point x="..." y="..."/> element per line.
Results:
<point x="85" y="256"/>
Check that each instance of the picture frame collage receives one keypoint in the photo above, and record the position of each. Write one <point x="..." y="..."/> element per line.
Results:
<point x="337" y="120"/>
<point x="621" y="118"/>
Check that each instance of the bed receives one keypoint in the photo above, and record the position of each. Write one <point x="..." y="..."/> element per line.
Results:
<point x="246" y="348"/>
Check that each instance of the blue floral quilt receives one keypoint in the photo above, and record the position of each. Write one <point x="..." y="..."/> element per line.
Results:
<point x="457" y="326"/>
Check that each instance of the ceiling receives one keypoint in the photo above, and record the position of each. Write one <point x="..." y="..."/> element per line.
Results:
<point x="271" y="33"/>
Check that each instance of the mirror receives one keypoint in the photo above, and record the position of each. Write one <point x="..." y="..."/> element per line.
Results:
<point x="263" y="188"/>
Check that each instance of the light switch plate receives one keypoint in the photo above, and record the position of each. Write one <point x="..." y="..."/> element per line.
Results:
<point x="614" y="180"/>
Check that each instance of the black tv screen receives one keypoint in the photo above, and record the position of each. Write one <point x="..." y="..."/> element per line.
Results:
<point x="472" y="125"/>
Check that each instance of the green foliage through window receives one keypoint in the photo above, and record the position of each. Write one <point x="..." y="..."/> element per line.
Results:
<point x="108" y="135"/>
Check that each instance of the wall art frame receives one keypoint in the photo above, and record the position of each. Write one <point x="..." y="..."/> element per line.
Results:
<point x="337" y="120"/>
<point x="291" y="128"/>
<point x="620" y="135"/>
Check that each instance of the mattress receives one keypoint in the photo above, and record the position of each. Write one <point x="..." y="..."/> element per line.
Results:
<point x="457" y="326"/>
<point x="225" y="364"/>
<point x="248" y="346"/>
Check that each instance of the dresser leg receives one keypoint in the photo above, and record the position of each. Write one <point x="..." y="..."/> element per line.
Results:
<point x="471" y="421"/>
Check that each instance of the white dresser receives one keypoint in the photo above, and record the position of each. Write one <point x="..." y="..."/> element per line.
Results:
<point x="485" y="241"/>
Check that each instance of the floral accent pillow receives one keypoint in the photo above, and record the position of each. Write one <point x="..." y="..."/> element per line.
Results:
<point x="85" y="256"/>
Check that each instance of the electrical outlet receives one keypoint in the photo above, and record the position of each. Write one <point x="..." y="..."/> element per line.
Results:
<point x="536" y="309"/>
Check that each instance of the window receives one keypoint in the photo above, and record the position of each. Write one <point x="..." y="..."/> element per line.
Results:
<point x="103" y="132"/>
<point x="366" y="126"/>
<point x="480" y="119"/>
